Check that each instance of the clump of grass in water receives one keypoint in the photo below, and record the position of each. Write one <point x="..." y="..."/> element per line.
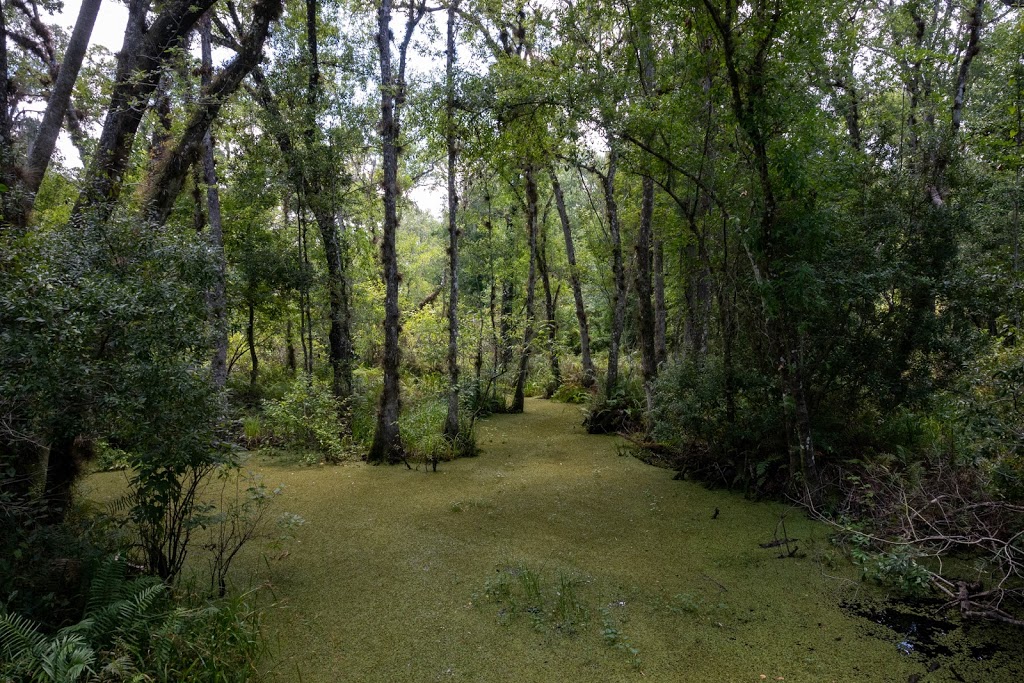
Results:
<point x="475" y="503"/>
<point x="613" y="636"/>
<point x="551" y="604"/>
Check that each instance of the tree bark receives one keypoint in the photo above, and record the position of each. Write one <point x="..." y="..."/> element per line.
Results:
<point x="508" y="292"/>
<point x="660" y="310"/>
<point x="698" y="302"/>
<point x="589" y="374"/>
<point x="9" y="206"/>
<point x="250" y="339"/>
<point x="387" y="439"/>
<point x="145" y="50"/>
<point x="519" y="397"/>
<point x="550" y="306"/>
<point x="618" y="271"/>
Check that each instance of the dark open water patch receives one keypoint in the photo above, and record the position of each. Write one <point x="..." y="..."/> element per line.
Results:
<point x="949" y="649"/>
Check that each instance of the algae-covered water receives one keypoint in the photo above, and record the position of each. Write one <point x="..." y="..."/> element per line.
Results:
<point x="552" y="558"/>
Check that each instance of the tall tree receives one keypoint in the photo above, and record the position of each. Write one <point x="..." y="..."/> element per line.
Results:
<point x="387" y="439"/>
<point x="451" y="424"/>
<point x="217" y="297"/>
<point x="589" y="374"/>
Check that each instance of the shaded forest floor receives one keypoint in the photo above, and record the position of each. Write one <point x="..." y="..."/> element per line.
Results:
<point x="553" y="558"/>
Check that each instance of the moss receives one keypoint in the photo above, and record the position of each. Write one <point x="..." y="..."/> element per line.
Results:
<point x="387" y="579"/>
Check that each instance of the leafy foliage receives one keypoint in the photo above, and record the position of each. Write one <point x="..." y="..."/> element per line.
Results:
<point x="132" y="631"/>
<point x="307" y="418"/>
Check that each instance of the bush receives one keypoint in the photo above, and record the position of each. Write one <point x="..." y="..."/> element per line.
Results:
<point x="422" y="426"/>
<point x="623" y="411"/>
<point x="691" y="416"/>
<point x="45" y="567"/>
<point x="570" y="392"/>
<point x="308" y="418"/>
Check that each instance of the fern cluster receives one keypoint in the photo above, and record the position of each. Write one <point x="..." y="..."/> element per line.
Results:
<point x="133" y="630"/>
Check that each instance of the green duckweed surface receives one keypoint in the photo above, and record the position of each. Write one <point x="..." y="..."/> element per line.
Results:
<point x="552" y="558"/>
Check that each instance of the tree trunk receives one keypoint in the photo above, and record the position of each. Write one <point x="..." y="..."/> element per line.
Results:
<point x="387" y="440"/>
<point x="643" y="277"/>
<point x="250" y="338"/>
<point x="660" y="310"/>
<point x="19" y="199"/>
<point x="518" y="398"/>
<point x="451" y="424"/>
<point x="618" y="272"/>
<point x="698" y="303"/>
<point x="508" y="292"/>
<point x="291" y="362"/>
<point x="339" y="336"/>
<point x="217" y="298"/>
<point x="305" y="316"/>
<point x="550" y="305"/>
<point x="9" y="206"/>
<point x="589" y="374"/>
<point x="41" y="149"/>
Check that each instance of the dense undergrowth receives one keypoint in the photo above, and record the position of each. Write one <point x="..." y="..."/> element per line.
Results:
<point x="927" y="497"/>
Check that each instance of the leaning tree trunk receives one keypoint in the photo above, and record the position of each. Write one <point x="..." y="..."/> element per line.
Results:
<point x="147" y="47"/>
<point x="41" y="149"/>
<point x="519" y="397"/>
<point x="589" y="374"/>
<point x="170" y="169"/>
<point x="387" y="439"/>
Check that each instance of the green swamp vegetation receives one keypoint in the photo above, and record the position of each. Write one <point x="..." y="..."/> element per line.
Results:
<point x="690" y="333"/>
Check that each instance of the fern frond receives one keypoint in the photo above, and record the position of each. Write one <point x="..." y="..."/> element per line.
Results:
<point x="120" y="669"/>
<point x="142" y="602"/>
<point x="106" y="585"/>
<point x="19" y="637"/>
<point x="66" y="659"/>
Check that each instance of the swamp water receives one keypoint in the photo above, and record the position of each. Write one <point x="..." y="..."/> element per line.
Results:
<point x="551" y="558"/>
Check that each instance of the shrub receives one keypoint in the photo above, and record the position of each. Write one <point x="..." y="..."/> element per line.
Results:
<point x="692" y="416"/>
<point x="570" y="392"/>
<point x="623" y="411"/>
<point x="308" y="418"/>
<point x="422" y="425"/>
